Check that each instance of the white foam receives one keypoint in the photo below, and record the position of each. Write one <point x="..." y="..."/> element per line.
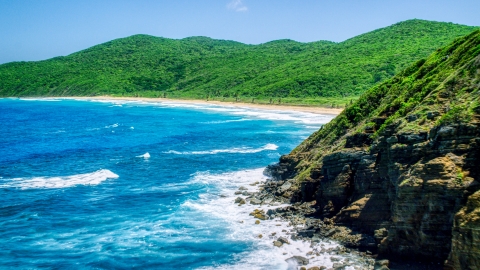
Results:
<point x="93" y="178"/>
<point x="253" y="113"/>
<point x="243" y="228"/>
<point x="240" y="150"/>
<point x="227" y="121"/>
<point x="312" y="119"/>
<point x="112" y="126"/>
<point x="145" y="156"/>
<point x="38" y="99"/>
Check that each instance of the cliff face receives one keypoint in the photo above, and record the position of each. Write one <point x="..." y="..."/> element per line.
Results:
<point x="403" y="163"/>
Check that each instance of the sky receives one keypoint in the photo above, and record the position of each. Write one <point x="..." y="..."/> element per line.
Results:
<point x="33" y="30"/>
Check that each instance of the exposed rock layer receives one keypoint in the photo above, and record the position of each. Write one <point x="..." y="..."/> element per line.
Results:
<point x="402" y="165"/>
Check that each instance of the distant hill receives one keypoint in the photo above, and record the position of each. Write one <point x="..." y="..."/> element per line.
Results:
<point x="198" y="67"/>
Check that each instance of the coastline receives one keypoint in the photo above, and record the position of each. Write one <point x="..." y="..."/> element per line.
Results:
<point x="276" y="107"/>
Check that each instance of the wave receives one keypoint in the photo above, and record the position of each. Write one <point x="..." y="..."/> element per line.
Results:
<point x="112" y="126"/>
<point x="242" y="150"/>
<point x="145" y="156"/>
<point x="242" y="227"/>
<point x="249" y="113"/>
<point x="227" y="121"/>
<point x="93" y="178"/>
<point x="39" y="99"/>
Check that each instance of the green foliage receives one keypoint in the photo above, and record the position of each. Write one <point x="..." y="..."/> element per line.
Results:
<point x="297" y="73"/>
<point x="442" y="89"/>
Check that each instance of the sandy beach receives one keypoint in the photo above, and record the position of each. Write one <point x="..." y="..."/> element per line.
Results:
<point x="310" y="109"/>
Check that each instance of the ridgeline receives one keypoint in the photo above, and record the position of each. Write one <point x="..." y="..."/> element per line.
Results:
<point x="284" y="71"/>
<point x="399" y="167"/>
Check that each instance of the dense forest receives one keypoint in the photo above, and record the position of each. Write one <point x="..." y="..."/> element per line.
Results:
<point x="204" y="68"/>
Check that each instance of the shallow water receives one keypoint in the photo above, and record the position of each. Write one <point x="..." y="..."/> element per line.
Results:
<point x="121" y="184"/>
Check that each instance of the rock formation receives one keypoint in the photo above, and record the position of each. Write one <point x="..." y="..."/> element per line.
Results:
<point x="402" y="164"/>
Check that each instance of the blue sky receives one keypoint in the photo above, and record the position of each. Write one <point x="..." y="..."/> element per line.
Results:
<point x="41" y="29"/>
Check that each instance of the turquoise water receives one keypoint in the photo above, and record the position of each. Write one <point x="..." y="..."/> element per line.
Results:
<point x="118" y="184"/>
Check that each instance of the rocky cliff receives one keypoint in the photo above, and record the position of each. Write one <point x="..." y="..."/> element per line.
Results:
<point x="402" y="164"/>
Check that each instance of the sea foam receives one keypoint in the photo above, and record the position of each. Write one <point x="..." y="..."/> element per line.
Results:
<point x="240" y="150"/>
<point x="93" y="178"/>
<point x="262" y="255"/>
<point x="145" y="156"/>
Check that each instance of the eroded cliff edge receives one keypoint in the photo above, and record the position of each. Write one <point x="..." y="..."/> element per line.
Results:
<point x="402" y="164"/>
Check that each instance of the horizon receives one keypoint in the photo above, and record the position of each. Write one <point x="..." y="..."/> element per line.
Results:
<point x="42" y="30"/>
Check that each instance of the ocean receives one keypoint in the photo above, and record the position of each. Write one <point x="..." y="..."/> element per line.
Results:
<point x="111" y="184"/>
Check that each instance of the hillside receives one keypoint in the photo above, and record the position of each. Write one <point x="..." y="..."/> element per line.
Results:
<point x="198" y="67"/>
<point x="400" y="165"/>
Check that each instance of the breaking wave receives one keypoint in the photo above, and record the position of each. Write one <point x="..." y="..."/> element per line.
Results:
<point x="241" y="150"/>
<point x="93" y="178"/>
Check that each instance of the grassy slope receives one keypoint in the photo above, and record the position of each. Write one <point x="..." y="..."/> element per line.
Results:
<point x="447" y="82"/>
<point x="195" y="67"/>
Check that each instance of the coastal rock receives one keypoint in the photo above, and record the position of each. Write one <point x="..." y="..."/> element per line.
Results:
<point x="255" y="201"/>
<point x="299" y="260"/>
<point x="405" y="193"/>
<point x="277" y="243"/>
<point x="283" y="240"/>
<point x="239" y="200"/>
<point x="465" y="253"/>
<point x="260" y="214"/>
<point x="397" y="173"/>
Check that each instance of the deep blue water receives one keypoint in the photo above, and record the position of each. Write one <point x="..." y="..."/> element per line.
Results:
<point x="77" y="189"/>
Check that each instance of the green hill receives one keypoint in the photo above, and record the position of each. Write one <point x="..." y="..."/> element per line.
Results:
<point x="198" y="67"/>
<point x="399" y="167"/>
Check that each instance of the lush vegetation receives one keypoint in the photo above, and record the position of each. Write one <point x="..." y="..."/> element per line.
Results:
<point x="440" y="90"/>
<point x="282" y="71"/>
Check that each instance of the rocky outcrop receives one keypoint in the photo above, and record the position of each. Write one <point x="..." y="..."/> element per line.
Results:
<point x="465" y="252"/>
<point x="400" y="168"/>
<point x="406" y="189"/>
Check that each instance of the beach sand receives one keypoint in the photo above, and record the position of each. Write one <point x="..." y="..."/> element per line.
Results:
<point x="309" y="109"/>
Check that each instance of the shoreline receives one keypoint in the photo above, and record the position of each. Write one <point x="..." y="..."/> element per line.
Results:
<point x="275" y="107"/>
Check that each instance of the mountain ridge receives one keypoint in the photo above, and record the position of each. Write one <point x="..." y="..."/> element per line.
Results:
<point x="201" y="67"/>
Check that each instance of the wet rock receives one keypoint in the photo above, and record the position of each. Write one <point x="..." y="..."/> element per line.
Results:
<point x="242" y="188"/>
<point x="257" y="221"/>
<point x="316" y="268"/>
<point x="330" y="232"/>
<point x="299" y="259"/>
<point x="255" y="201"/>
<point x="260" y="236"/>
<point x="238" y="193"/>
<point x="283" y="240"/>
<point x="306" y="233"/>
<point x="254" y="184"/>
<point x="239" y="199"/>
<point x="260" y="214"/>
<point x="277" y="243"/>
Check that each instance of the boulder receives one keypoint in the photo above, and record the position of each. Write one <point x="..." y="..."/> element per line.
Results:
<point x="299" y="259"/>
